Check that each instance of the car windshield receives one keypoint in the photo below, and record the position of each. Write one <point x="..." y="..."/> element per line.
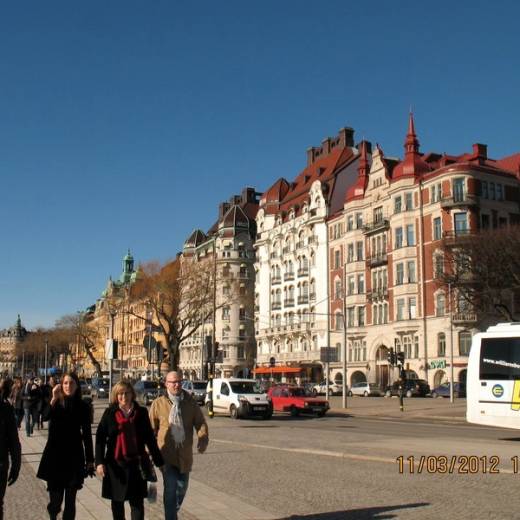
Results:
<point x="373" y="385"/>
<point x="201" y="385"/>
<point x="245" y="387"/>
<point x="297" y="392"/>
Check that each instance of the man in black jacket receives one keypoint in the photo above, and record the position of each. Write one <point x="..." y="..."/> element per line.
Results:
<point x="9" y="448"/>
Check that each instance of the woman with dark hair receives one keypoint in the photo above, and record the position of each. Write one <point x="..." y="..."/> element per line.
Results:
<point x="68" y="454"/>
<point x="121" y="458"/>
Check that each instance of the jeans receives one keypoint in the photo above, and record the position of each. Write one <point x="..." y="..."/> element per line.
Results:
<point x="175" y="487"/>
<point x="56" y="498"/>
<point x="136" y="509"/>
<point x="29" y="425"/>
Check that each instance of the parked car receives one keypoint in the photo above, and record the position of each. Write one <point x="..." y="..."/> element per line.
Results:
<point x="100" y="388"/>
<point x="364" y="389"/>
<point x="295" y="400"/>
<point x="197" y="389"/>
<point x="240" y="398"/>
<point x="86" y="389"/>
<point x="459" y="390"/>
<point x="147" y="391"/>
<point x="412" y="388"/>
<point x="321" y="388"/>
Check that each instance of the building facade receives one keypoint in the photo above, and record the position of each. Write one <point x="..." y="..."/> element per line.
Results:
<point x="11" y="341"/>
<point x="227" y="249"/>
<point x="386" y="257"/>
<point x="291" y="294"/>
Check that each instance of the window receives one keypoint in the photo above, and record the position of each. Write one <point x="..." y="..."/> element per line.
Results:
<point x="484" y="189"/>
<point x="436" y="192"/>
<point x="350" y="285"/>
<point x="242" y="314"/>
<point x="412" y="308"/>
<point x="410" y="237"/>
<point x="438" y="262"/>
<point x="224" y="389"/>
<point x="350" y="316"/>
<point x="461" y="223"/>
<point x="339" y="321"/>
<point x="397" y="204"/>
<point x="399" y="274"/>
<point x="492" y="190"/>
<point x="350" y="223"/>
<point x="398" y="237"/>
<point x="350" y="253"/>
<point x="500" y="192"/>
<point x="240" y="352"/>
<point x="361" y="283"/>
<point x="378" y="215"/>
<point x="359" y="220"/>
<point x="225" y="313"/>
<point x="464" y="343"/>
<point x="441" y="344"/>
<point x="485" y="221"/>
<point x="411" y="271"/>
<point x="437" y="228"/>
<point x="359" y="251"/>
<point x="361" y="316"/>
<point x="409" y="201"/>
<point x="440" y="304"/>
<point x="337" y="289"/>
<point x="458" y="189"/>
<point x="400" y="309"/>
<point x="336" y="259"/>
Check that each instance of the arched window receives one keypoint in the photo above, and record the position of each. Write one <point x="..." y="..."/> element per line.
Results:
<point x="441" y="344"/>
<point x="440" y="304"/>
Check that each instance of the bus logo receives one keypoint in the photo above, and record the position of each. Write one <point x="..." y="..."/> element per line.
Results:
<point x="498" y="390"/>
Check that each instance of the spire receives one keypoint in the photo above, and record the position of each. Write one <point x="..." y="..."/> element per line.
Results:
<point x="18" y="322"/>
<point x="363" y="161"/>
<point x="411" y="143"/>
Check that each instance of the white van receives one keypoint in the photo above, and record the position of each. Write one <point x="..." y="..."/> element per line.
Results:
<point x="240" y="398"/>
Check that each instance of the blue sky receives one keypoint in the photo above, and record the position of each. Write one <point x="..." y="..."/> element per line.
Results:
<point x="124" y="124"/>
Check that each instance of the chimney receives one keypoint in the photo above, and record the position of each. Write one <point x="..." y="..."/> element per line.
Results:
<point x="368" y="146"/>
<point x="248" y="195"/>
<point x="325" y="145"/>
<point x="223" y="209"/>
<point x="346" y="137"/>
<point x="480" y="151"/>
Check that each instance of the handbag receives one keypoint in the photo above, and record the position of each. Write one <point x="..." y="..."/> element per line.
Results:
<point x="146" y="467"/>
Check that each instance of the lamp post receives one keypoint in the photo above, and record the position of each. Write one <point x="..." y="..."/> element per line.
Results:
<point x="46" y="359"/>
<point x="451" y="344"/>
<point x="345" y="348"/>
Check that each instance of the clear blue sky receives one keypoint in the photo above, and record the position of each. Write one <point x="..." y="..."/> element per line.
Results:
<point x="124" y="124"/>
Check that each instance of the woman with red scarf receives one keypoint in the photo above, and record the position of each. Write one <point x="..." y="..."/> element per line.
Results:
<point x="121" y="458"/>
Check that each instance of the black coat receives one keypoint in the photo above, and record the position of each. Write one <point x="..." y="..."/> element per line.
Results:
<point x="123" y="481"/>
<point x="9" y="442"/>
<point x="69" y="445"/>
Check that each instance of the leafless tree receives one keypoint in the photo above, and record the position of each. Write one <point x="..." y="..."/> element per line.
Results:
<point x="484" y="270"/>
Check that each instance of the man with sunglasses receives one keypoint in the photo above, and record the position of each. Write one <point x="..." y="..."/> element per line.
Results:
<point x="174" y="416"/>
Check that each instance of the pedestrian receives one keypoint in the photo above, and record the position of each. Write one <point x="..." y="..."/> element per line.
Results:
<point x="9" y="445"/>
<point x="173" y="417"/>
<point x="15" y="398"/>
<point x="28" y="399"/>
<point x="46" y="396"/>
<point x="68" y="455"/>
<point x="121" y="458"/>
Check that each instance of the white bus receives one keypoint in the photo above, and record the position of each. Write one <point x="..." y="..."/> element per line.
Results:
<point x="493" y="378"/>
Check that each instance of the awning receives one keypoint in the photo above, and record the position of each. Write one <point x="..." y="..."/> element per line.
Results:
<point x="277" y="370"/>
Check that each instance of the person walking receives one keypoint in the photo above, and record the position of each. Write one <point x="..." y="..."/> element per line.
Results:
<point x="9" y="445"/>
<point x="174" y="416"/>
<point x="68" y="454"/>
<point x="15" y="398"/>
<point x="121" y="459"/>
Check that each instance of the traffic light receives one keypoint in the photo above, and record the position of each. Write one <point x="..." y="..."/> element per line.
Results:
<point x="400" y="358"/>
<point x="391" y="357"/>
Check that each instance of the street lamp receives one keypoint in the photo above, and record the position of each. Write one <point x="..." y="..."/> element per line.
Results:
<point x="46" y="359"/>
<point x="451" y="344"/>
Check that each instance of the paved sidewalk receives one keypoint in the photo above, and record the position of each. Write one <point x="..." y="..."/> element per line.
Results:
<point x="28" y="497"/>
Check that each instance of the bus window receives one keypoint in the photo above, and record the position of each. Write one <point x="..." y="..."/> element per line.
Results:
<point x="500" y="359"/>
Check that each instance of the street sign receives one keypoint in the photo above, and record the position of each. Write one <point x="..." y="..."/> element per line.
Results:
<point x="329" y="355"/>
<point x="149" y="342"/>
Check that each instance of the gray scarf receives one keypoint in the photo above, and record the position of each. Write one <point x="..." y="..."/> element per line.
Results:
<point x="175" y="420"/>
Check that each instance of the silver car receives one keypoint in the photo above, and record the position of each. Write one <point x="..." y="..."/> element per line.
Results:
<point x="364" y="389"/>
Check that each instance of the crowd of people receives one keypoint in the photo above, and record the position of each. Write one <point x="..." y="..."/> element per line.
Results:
<point x="129" y="441"/>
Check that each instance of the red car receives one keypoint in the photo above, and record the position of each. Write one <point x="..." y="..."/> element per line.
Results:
<point x="293" y="399"/>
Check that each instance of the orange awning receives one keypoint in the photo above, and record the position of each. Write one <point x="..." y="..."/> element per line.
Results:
<point x="277" y="370"/>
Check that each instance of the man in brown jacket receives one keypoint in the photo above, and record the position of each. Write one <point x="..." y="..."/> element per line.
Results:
<point x="173" y="417"/>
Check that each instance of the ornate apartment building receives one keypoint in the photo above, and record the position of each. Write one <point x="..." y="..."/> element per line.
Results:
<point x="228" y="249"/>
<point x="386" y="255"/>
<point x="291" y="293"/>
<point x="10" y="341"/>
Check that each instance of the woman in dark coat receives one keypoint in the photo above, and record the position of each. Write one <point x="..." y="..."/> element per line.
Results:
<point x="121" y="437"/>
<point x="68" y="454"/>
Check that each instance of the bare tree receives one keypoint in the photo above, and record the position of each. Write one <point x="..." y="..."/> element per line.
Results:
<point x="181" y="295"/>
<point x="484" y="270"/>
<point x="73" y="328"/>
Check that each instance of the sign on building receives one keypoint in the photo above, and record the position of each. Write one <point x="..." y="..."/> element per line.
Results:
<point x="329" y="355"/>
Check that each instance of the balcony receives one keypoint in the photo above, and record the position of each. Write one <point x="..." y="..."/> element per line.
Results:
<point x="275" y="306"/>
<point x="288" y="277"/>
<point x="457" y="236"/>
<point x="464" y="317"/>
<point x="459" y="201"/>
<point x="289" y="302"/>
<point x="376" y="226"/>
<point x="286" y="250"/>
<point x="377" y="260"/>
<point x="378" y="294"/>
<point x="275" y="280"/>
<point x="303" y="271"/>
<point x="303" y="299"/>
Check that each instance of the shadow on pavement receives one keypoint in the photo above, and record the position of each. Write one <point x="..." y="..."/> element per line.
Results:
<point x="368" y="513"/>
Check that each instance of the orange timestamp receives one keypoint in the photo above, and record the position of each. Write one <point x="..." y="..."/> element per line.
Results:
<point x="453" y="464"/>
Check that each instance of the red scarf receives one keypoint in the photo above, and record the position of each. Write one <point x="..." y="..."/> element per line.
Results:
<point x="126" y="442"/>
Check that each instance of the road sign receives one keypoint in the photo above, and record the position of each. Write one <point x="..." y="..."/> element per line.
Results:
<point x="149" y="342"/>
<point x="329" y="355"/>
